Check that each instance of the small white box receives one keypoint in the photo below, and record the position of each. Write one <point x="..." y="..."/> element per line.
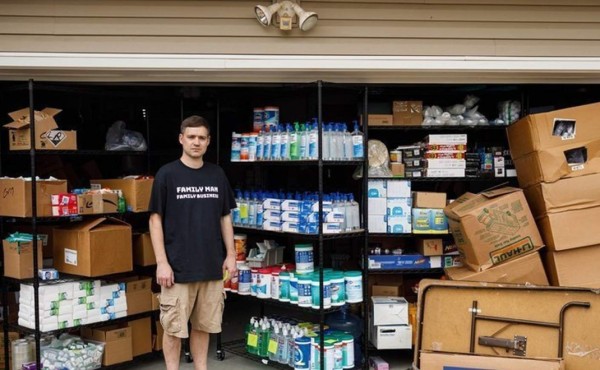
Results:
<point x="290" y="216"/>
<point x="398" y="207"/>
<point x="445" y="172"/>
<point x="377" y="206"/>
<point x="389" y="311"/>
<point x="290" y="205"/>
<point x="398" y="189"/>
<point x="377" y="189"/>
<point x="290" y="227"/>
<point x="391" y="336"/>
<point x="272" y="203"/>
<point x="377" y="224"/>
<point x="399" y="225"/>
<point x="272" y="215"/>
<point x="272" y="225"/>
<point x="332" y="228"/>
<point x="452" y="139"/>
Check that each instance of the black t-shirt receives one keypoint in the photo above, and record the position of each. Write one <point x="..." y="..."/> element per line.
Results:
<point x="191" y="203"/>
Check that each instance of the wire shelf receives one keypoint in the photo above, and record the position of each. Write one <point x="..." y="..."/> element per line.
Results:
<point x="287" y="305"/>
<point x="313" y="162"/>
<point x="407" y="271"/>
<point x="238" y="347"/>
<point x="344" y="235"/>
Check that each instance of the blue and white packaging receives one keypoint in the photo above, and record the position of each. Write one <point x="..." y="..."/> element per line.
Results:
<point x="399" y="224"/>
<point x="332" y="228"/>
<point x="377" y="189"/>
<point x="291" y="205"/>
<point x="398" y="189"/>
<point x="290" y="227"/>
<point x="377" y="206"/>
<point x="271" y="203"/>
<point x="272" y="215"/>
<point x="290" y="216"/>
<point x="399" y="207"/>
<point x="272" y="226"/>
<point x="313" y="206"/>
<point x="377" y="223"/>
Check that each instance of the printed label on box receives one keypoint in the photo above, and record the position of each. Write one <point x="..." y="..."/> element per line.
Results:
<point x="70" y="257"/>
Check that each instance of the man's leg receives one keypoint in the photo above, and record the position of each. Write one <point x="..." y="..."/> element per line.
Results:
<point x="199" y="347"/>
<point x="171" y="351"/>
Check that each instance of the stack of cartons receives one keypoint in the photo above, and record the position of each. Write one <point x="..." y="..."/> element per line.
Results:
<point x="557" y="157"/>
<point x="390" y="206"/>
<point x="496" y="234"/>
<point x="444" y="155"/>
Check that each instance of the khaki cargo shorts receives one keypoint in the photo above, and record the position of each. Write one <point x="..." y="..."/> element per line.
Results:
<point x="201" y="303"/>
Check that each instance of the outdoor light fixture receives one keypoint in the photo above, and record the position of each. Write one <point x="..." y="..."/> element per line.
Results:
<point x="285" y="11"/>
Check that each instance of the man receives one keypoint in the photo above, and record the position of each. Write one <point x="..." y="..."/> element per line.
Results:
<point x="189" y="223"/>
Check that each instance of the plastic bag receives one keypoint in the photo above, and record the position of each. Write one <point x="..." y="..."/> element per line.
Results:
<point x="379" y="159"/>
<point x="509" y="111"/>
<point x="471" y="101"/>
<point x="120" y="138"/>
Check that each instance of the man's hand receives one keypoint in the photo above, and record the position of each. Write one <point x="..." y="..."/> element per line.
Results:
<point x="230" y="266"/>
<point x="164" y="275"/>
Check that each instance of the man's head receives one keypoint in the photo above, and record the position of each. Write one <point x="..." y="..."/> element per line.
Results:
<point x="194" y="136"/>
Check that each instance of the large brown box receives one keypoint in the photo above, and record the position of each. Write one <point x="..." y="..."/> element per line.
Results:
<point x="572" y="126"/>
<point x="575" y="267"/>
<point x="138" y="294"/>
<point x="46" y="131"/>
<point x="553" y="164"/>
<point x="141" y="336"/>
<point x="570" y="229"/>
<point x="407" y="112"/>
<point x="94" y="203"/>
<point x="564" y="195"/>
<point x="380" y="119"/>
<point x="523" y="270"/>
<point x="444" y="361"/>
<point x="492" y="227"/>
<point x="143" y="252"/>
<point x="18" y="259"/>
<point x="96" y="247"/>
<point x="386" y="290"/>
<point x="16" y="199"/>
<point x="118" y="342"/>
<point x="136" y="191"/>
<point x="446" y="309"/>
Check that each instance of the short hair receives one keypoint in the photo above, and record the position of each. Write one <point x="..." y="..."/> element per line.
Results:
<point x="195" y="121"/>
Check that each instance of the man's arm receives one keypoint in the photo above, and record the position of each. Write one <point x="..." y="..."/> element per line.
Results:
<point x="227" y="235"/>
<point x="164" y="272"/>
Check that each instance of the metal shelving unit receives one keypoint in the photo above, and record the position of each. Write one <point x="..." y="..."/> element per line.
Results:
<point x="344" y="235"/>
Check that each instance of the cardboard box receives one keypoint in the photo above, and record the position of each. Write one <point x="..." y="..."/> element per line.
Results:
<point x="407" y="113"/>
<point x="445" y="316"/>
<point x="139" y="294"/>
<point x="96" y="247"/>
<point x="403" y="262"/>
<point x="570" y="229"/>
<point x="389" y="310"/>
<point x="380" y="119"/>
<point x="44" y="233"/>
<point x="492" y="227"/>
<point x="397" y="169"/>
<point x="559" y="196"/>
<point x="385" y="290"/>
<point x="141" y="336"/>
<point x="391" y="336"/>
<point x="536" y="132"/>
<point x="16" y="199"/>
<point x="136" y="191"/>
<point x="46" y="131"/>
<point x="523" y="270"/>
<point x="18" y="259"/>
<point x="424" y="199"/>
<point x="94" y="203"/>
<point x="447" y="361"/>
<point x="430" y="247"/>
<point x="118" y="342"/>
<point x="143" y="252"/>
<point x="553" y="164"/>
<point x="575" y="267"/>
<point x="11" y="337"/>
<point x="155" y="301"/>
<point x="157" y="338"/>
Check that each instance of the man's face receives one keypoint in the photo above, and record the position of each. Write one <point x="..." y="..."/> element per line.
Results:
<point x="194" y="141"/>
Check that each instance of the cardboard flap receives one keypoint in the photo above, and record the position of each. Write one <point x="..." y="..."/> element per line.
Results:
<point x="88" y="225"/>
<point x="16" y="125"/>
<point x="51" y="111"/>
<point x="498" y="192"/>
<point x="21" y="115"/>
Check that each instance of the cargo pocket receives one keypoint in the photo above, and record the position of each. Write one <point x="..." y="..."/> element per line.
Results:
<point x="170" y="315"/>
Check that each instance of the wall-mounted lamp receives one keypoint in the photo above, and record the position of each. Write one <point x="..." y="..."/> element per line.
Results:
<point x="286" y="11"/>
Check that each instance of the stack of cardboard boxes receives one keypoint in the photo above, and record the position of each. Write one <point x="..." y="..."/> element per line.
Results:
<point x="557" y="157"/>
<point x="496" y="234"/>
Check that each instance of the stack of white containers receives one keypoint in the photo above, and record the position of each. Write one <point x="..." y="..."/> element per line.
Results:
<point x="444" y="155"/>
<point x="390" y="206"/>
<point x="72" y="303"/>
<point x="389" y="327"/>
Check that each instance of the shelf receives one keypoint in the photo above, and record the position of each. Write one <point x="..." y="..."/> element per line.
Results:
<point x="287" y="305"/>
<point x="426" y="179"/>
<point x="238" y="347"/>
<point x="407" y="271"/>
<point x="386" y="235"/>
<point x="25" y="330"/>
<point x="70" y="218"/>
<point x="344" y="235"/>
<point x="81" y="152"/>
<point x="437" y="128"/>
<point x="313" y="162"/>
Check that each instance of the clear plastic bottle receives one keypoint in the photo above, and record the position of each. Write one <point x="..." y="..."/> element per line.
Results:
<point x="267" y="144"/>
<point x="354" y="212"/>
<point x="285" y="142"/>
<point x="260" y="140"/>
<point x="236" y="211"/>
<point x="313" y="140"/>
<point x="348" y="148"/>
<point x="121" y="203"/>
<point x="358" y="150"/>
<point x="326" y="138"/>
<point x="340" y="142"/>
<point x="244" y="209"/>
<point x="303" y="139"/>
<point x="273" y="343"/>
<point x="276" y="143"/>
<point x="253" y="340"/>
<point x="334" y="145"/>
<point x="265" y="336"/>
<point x="339" y="205"/>
<point x="252" y="209"/>
<point x="259" y="209"/>
<point x="294" y="143"/>
<point x="249" y="330"/>
<point x="291" y="345"/>
<point x="282" y="348"/>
